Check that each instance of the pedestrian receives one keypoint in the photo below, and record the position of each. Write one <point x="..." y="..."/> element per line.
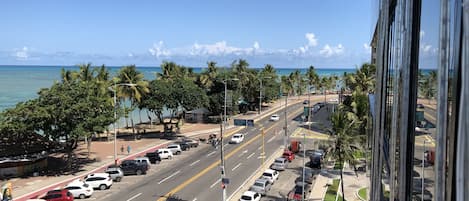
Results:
<point x="122" y="149"/>
<point x="128" y="149"/>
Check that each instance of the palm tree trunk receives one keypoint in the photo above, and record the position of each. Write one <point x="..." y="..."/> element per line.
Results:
<point x="140" y="115"/>
<point x="341" y="176"/>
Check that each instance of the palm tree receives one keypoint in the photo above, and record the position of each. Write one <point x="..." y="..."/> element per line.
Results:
<point x="313" y="77"/>
<point x="428" y="85"/>
<point x="133" y="92"/>
<point x="346" y="136"/>
<point x="207" y="78"/>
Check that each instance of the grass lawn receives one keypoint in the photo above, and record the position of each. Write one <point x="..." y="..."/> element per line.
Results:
<point x="362" y="193"/>
<point x="332" y="191"/>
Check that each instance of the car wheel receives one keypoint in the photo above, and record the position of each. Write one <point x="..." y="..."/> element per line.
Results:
<point x="170" y="157"/>
<point x="158" y="162"/>
<point x="139" y="172"/>
<point x="177" y="153"/>
<point x="118" y="179"/>
<point x="102" y="187"/>
<point x="82" y="196"/>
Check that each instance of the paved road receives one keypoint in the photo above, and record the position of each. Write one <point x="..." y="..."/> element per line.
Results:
<point x="195" y="176"/>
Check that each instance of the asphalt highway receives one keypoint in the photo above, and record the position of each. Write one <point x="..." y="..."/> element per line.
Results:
<point x="195" y="175"/>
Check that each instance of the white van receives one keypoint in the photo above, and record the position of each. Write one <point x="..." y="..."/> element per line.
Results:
<point x="143" y="159"/>
<point x="165" y="153"/>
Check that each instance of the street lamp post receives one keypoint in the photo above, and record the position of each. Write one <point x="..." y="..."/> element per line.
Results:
<point x="115" y="115"/>
<point x="423" y="169"/>
<point x="260" y="93"/>
<point x="222" y="156"/>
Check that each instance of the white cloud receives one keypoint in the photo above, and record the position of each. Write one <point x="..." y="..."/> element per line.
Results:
<point x="422" y="34"/>
<point x="159" y="50"/>
<point x="312" y="40"/>
<point x="328" y="51"/>
<point x="367" y="48"/>
<point x="22" y="54"/>
<point x="256" y="45"/>
<point x="222" y="48"/>
<point x="130" y="54"/>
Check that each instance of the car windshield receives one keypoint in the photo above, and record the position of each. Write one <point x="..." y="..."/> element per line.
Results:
<point x="245" y="197"/>
<point x="267" y="174"/>
<point x="278" y="161"/>
<point x="236" y="136"/>
<point x="259" y="184"/>
<point x="171" y="147"/>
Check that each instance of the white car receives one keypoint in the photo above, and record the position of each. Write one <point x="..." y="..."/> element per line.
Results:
<point x="270" y="175"/>
<point x="143" y="160"/>
<point x="100" y="181"/>
<point x="175" y="148"/>
<point x="165" y="153"/>
<point x="274" y="117"/>
<point x="250" y="196"/>
<point x="237" y="138"/>
<point x="79" y="189"/>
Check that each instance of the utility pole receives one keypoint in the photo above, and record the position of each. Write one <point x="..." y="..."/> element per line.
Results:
<point x="263" y="146"/>
<point x="222" y="164"/>
<point x="285" y="139"/>
<point x="260" y="97"/>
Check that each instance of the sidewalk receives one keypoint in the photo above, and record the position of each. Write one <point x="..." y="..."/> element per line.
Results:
<point x="102" y="152"/>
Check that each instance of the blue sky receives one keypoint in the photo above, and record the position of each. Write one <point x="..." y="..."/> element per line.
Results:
<point x="288" y="34"/>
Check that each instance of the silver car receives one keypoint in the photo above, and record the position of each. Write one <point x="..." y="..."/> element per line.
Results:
<point x="279" y="164"/>
<point x="115" y="173"/>
<point x="261" y="186"/>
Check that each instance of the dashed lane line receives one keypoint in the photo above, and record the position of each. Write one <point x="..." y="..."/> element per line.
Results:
<point x="133" y="197"/>
<point x="211" y="153"/>
<point x="195" y="162"/>
<point x="172" y="175"/>
<point x="250" y="155"/>
<point x="235" y="167"/>
<point x="215" y="183"/>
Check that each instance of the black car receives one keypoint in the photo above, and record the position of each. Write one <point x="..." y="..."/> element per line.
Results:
<point x="184" y="146"/>
<point x="192" y="143"/>
<point x="315" y="161"/>
<point x="154" y="157"/>
<point x="133" y="167"/>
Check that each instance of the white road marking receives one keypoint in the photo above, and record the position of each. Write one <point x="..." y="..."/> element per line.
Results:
<point x="237" y="166"/>
<point x="251" y="155"/>
<point x="211" y="186"/>
<point x="135" y="196"/>
<point x="259" y="148"/>
<point x="195" y="199"/>
<point x="211" y="153"/>
<point x="226" y="144"/>
<point x="192" y="164"/>
<point x="244" y="152"/>
<point x="253" y="129"/>
<point x="169" y="177"/>
<point x="270" y="140"/>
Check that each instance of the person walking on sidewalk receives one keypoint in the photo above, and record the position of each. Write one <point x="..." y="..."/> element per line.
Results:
<point x="128" y="149"/>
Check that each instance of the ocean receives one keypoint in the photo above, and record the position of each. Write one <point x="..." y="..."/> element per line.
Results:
<point x="21" y="83"/>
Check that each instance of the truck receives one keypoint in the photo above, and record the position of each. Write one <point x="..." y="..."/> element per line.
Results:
<point x="295" y="146"/>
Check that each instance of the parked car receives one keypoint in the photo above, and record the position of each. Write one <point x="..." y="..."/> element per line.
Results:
<point x="191" y="142"/>
<point x="58" y="195"/>
<point x="79" y="189"/>
<point x="115" y="172"/>
<point x="237" y="138"/>
<point x="288" y="155"/>
<point x="315" y="161"/>
<point x="297" y="192"/>
<point x="165" y="153"/>
<point x="154" y="157"/>
<point x="270" y="175"/>
<point x="133" y="167"/>
<point x="279" y="164"/>
<point x="100" y="181"/>
<point x="250" y="196"/>
<point x="143" y="160"/>
<point x="274" y="117"/>
<point x="175" y="149"/>
<point x="184" y="146"/>
<point x="309" y="176"/>
<point x="261" y="186"/>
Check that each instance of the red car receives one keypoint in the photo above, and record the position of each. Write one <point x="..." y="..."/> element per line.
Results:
<point x="288" y="155"/>
<point x="58" y="195"/>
